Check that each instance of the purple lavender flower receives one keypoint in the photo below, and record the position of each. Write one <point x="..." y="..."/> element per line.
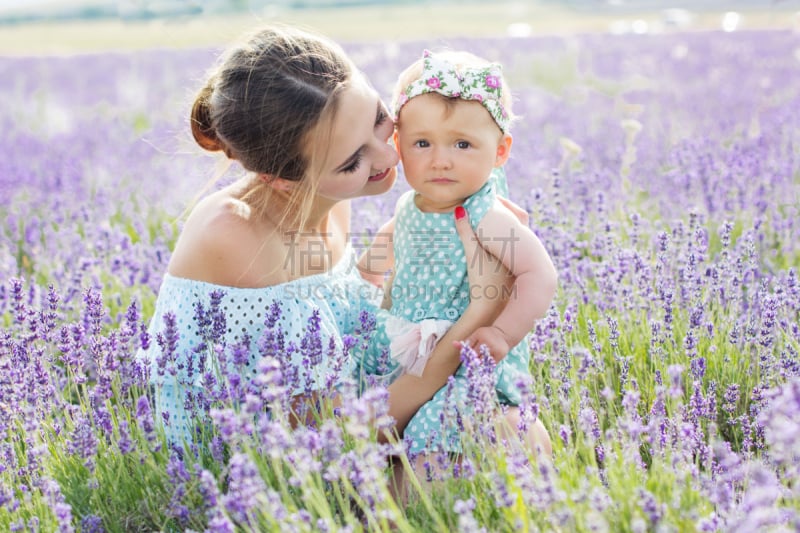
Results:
<point x="589" y="424"/>
<point x="20" y="308"/>
<point x="208" y="489"/>
<point x="466" y="520"/>
<point x="275" y="438"/>
<point x="124" y="442"/>
<point x="219" y="325"/>
<point x="782" y="427"/>
<point x="167" y="340"/>
<point x="62" y="510"/>
<point x="144" y="418"/>
<point x="651" y="508"/>
<point x="528" y="405"/>
<point x="311" y="348"/>
<point x="274" y="314"/>
<point x="220" y="523"/>
<point x="304" y="456"/>
<point x="675" y="373"/>
<point x="564" y="432"/>
<point x="501" y="492"/>
<point x="246" y="489"/>
<point x="92" y="524"/>
<point x="83" y="441"/>
<point x="230" y="425"/>
<point x="179" y="477"/>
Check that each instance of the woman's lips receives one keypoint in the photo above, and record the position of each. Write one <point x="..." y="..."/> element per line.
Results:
<point x="379" y="177"/>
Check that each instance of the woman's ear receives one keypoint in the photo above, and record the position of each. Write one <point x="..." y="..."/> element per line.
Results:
<point x="503" y="150"/>
<point x="278" y="184"/>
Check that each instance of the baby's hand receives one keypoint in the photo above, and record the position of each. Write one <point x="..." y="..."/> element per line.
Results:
<point x="494" y="339"/>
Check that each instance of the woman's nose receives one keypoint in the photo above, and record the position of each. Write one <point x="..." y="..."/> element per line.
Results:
<point x="389" y="155"/>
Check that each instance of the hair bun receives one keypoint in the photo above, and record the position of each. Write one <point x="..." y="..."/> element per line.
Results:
<point x="203" y="130"/>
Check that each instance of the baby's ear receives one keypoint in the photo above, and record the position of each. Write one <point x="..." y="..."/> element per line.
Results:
<point x="396" y="141"/>
<point x="503" y="150"/>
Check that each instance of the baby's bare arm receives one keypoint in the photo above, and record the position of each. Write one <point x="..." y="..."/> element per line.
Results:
<point x="522" y="253"/>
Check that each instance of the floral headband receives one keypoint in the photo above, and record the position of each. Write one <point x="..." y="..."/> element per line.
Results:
<point x="482" y="85"/>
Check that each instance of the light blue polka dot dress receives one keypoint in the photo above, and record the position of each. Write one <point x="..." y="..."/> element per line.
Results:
<point x="337" y="297"/>
<point x="431" y="283"/>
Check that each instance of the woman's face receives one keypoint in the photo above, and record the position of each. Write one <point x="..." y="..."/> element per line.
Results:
<point x="359" y="161"/>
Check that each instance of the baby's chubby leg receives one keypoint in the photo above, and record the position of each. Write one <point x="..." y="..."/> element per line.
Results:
<point x="534" y="438"/>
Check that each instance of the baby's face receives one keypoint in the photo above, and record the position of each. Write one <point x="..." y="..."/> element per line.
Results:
<point x="448" y="149"/>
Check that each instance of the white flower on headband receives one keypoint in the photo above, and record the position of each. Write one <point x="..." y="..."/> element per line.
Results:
<point x="480" y="84"/>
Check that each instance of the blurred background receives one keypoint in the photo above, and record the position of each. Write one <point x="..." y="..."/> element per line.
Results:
<point x="64" y="26"/>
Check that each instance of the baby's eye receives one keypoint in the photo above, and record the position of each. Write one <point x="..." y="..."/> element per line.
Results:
<point x="463" y="145"/>
<point x="422" y="143"/>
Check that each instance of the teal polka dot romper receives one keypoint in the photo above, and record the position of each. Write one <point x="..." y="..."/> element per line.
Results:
<point x="431" y="283"/>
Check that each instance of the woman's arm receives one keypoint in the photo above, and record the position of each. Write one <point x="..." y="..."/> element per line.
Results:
<point x="408" y="393"/>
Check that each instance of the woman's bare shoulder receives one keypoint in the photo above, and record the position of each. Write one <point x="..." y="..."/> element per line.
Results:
<point x="222" y="242"/>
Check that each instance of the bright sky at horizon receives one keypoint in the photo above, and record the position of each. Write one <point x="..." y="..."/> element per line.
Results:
<point x="18" y="5"/>
<point x="27" y="6"/>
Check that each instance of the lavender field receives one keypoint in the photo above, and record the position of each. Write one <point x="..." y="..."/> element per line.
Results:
<point x="662" y="173"/>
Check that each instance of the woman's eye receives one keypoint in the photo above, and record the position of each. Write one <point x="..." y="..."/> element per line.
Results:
<point x="381" y="116"/>
<point x="352" y="167"/>
<point x="463" y="145"/>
